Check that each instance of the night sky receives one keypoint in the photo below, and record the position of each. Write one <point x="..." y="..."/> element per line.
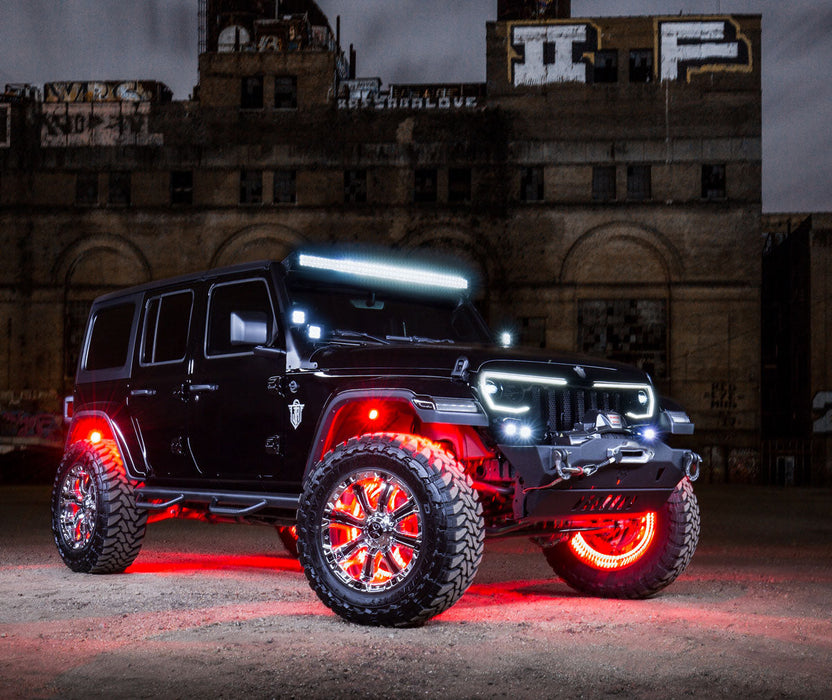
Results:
<point x="437" y="41"/>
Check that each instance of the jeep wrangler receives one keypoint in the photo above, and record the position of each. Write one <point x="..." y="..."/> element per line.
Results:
<point x="362" y="409"/>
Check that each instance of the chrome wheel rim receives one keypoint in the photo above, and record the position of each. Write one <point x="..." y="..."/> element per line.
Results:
<point x="371" y="531"/>
<point x="77" y="507"/>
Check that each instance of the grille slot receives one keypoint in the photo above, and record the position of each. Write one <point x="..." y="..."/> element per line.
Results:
<point x="561" y="408"/>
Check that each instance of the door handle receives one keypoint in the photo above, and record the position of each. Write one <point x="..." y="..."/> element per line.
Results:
<point x="143" y="392"/>
<point x="194" y="388"/>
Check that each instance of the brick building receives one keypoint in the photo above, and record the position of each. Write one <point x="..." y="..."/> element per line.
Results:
<point x="603" y="184"/>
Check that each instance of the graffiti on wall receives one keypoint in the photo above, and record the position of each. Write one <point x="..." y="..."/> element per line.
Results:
<point x="107" y="91"/>
<point x="47" y="427"/>
<point x="542" y="53"/>
<point x="366" y="93"/>
<point x="822" y="402"/>
<point x="694" y="46"/>
<point x="96" y="124"/>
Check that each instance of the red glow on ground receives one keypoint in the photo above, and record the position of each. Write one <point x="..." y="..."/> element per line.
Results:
<point x="173" y="563"/>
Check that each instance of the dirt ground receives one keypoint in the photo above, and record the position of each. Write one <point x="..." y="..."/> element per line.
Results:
<point x="222" y="611"/>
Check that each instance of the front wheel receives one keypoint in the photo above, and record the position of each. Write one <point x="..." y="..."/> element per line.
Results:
<point x="631" y="557"/>
<point x="390" y="531"/>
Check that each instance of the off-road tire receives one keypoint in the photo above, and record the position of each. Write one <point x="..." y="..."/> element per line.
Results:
<point x="677" y="534"/>
<point x="450" y="518"/>
<point x="115" y="529"/>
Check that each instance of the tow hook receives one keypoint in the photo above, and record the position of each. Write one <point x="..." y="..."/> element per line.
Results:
<point x="692" y="463"/>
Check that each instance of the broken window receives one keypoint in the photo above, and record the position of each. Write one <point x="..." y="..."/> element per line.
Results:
<point x="355" y="186"/>
<point x="603" y="183"/>
<point x="713" y="182"/>
<point x="119" y="190"/>
<point x="251" y="95"/>
<point x="606" y="67"/>
<point x="182" y="187"/>
<point x="86" y="189"/>
<point x="459" y="184"/>
<point x="627" y="330"/>
<point x="424" y="189"/>
<point x="286" y="92"/>
<point x="285" y="187"/>
<point x="531" y="184"/>
<point x="641" y="65"/>
<point x="251" y="187"/>
<point x="639" y="184"/>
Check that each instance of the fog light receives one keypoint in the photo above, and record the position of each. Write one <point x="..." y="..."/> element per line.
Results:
<point x="525" y="432"/>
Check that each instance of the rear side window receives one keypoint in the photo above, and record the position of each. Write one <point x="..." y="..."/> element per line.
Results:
<point x="109" y="342"/>
<point x="240" y="317"/>
<point x="167" y="321"/>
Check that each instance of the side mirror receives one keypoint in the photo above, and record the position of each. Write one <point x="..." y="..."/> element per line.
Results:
<point x="249" y="328"/>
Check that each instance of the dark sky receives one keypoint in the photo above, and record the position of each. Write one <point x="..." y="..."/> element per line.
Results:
<point x="440" y="41"/>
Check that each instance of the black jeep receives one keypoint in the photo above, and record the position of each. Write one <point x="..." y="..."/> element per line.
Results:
<point x="362" y="409"/>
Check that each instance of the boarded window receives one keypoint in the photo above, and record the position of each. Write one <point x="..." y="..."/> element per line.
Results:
<point x="641" y="65"/>
<point x="355" y="186"/>
<point x="110" y="338"/>
<point x="251" y="92"/>
<point x="251" y="187"/>
<point x="459" y="184"/>
<point x="628" y="330"/>
<point x="286" y="92"/>
<point x="424" y="185"/>
<point x="713" y="182"/>
<point x="603" y="183"/>
<point x="531" y="184"/>
<point x="639" y="183"/>
<point x="182" y="187"/>
<point x="285" y="187"/>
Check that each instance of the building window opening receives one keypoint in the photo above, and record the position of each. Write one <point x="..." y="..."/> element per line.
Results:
<point x="251" y="187"/>
<point x="639" y="184"/>
<point x="459" y="184"/>
<point x="251" y="95"/>
<point x="286" y="92"/>
<point x="606" y="67"/>
<point x="119" y="191"/>
<point x="641" y="66"/>
<point x="713" y="182"/>
<point x="603" y="183"/>
<point x="86" y="189"/>
<point x="424" y="188"/>
<point x="355" y="186"/>
<point x="285" y="187"/>
<point x="531" y="184"/>
<point x="182" y="187"/>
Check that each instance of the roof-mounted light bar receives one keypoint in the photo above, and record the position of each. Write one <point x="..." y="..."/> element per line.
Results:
<point x="392" y="273"/>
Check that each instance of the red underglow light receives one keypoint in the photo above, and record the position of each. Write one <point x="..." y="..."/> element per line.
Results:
<point x="373" y="414"/>
<point x="617" y="546"/>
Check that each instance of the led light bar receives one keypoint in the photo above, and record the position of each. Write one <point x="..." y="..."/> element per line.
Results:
<point x="651" y="400"/>
<point x="393" y="273"/>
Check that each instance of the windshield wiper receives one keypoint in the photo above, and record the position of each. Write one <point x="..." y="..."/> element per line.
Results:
<point x="357" y="335"/>
<point x="416" y="339"/>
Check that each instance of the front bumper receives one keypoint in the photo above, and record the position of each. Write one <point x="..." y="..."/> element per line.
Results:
<point x="629" y="477"/>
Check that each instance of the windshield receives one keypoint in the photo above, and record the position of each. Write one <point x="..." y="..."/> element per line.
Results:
<point x="353" y="313"/>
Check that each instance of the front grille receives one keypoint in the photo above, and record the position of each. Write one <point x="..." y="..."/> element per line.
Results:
<point x="561" y="408"/>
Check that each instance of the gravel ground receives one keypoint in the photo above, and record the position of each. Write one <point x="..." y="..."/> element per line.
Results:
<point x="222" y="611"/>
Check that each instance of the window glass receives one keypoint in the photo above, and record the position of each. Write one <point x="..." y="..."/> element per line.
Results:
<point x="167" y="321"/>
<point x="606" y="66"/>
<point x="232" y="305"/>
<point x="110" y="337"/>
<point x="603" y="183"/>
<point x="641" y="65"/>
<point x="86" y="189"/>
<point x="251" y="187"/>
<point x="119" y="190"/>
<point x="713" y="182"/>
<point x="459" y="184"/>
<point x="355" y="186"/>
<point x="639" y="180"/>
<point x="251" y="94"/>
<point x="286" y="92"/>
<point x="531" y="184"/>
<point x="285" y="187"/>
<point x="425" y="185"/>
<point x="182" y="187"/>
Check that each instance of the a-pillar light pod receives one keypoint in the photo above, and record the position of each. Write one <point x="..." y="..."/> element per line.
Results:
<point x="506" y="339"/>
<point x="314" y="332"/>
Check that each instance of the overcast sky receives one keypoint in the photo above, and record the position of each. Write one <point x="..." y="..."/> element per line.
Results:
<point x="439" y="41"/>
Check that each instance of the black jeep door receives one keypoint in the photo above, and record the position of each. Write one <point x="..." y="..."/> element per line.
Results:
<point x="237" y="411"/>
<point x="156" y="401"/>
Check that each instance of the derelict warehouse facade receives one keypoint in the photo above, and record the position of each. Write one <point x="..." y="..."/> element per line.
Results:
<point x="604" y="184"/>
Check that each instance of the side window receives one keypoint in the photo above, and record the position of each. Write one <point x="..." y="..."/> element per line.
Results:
<point x="109" y="341"/>
<point x="166" y="324"/>
<point x="240" y="317"/>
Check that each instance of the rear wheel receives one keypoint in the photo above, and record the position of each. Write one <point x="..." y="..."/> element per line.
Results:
<point x="390" y="531"/>
<point x="95" y="523"/>
<point x="632" y="557"/>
